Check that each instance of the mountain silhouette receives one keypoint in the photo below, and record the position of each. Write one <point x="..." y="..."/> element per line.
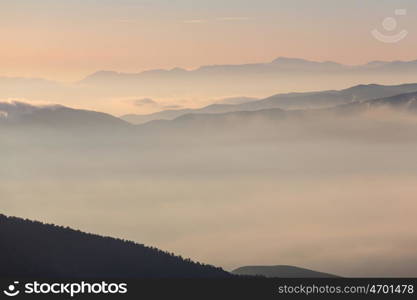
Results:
<point x="280" y="272"/>
<point x="221" y="106"/>
<point x="403" y="102"/>
<point x="275" y="66"/>
<point x="209" y="82"/>
<point x="330" y="98"/>
<point x="56" y="116"/>
<point x="240" y="121"/>
<point x="320" y="99"/>
<point x="349" y="101"/>
<point x="34" y="249"/>
<point x="279" y="64"/>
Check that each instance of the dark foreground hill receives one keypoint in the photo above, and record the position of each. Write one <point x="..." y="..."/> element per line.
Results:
<point x="33" y="249"/>
<point x="281" y="272"/>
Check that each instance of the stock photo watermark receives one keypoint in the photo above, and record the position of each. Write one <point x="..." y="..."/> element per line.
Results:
<point x="390" y="26"/>
<point x="66" y="289"/>
<point x="12" y="290"/>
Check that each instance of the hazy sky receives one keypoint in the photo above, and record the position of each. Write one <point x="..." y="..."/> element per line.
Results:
<point x="68" y="39"/>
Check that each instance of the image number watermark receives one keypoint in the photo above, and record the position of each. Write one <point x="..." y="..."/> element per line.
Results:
<point x="390" y="24"/>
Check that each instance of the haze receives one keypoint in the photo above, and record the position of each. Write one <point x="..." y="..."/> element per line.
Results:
<point x="325" y="181"/>
<point x="330" y="194"/>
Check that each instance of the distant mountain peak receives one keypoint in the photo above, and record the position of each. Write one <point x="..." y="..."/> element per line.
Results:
<point x="360" y="86"/>
<point x="105" y="73"/>
<point x="293" y="60"/>
<point x="281" y="271"/>
<point x="304" y="64"/>
<point x="283" y="59"/>
<point x="178" y="69"/>
<point x="102" y="75"/>
<point x="376" y="63"/>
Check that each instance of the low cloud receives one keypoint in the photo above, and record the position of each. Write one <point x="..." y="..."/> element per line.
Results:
<point x="145" y="102"/>
<point x="172" y="106"/>
<point x="148" y="103"/>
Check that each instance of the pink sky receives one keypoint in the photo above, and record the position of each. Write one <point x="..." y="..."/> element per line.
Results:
<point x="67" y="40"/>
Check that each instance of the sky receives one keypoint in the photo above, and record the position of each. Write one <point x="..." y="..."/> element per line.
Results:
<point x="66" y="40"/>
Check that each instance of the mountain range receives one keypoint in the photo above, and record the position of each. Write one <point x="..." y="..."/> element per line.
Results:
<point x="56" y="116"/>
<point x="348" y="101"/>
<point x="309" y="100"/>
<point x="279" y="65"/>
<point x="222" y="106"/>
<point x="177" y="86"/>
<point x="255" y="80"/>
